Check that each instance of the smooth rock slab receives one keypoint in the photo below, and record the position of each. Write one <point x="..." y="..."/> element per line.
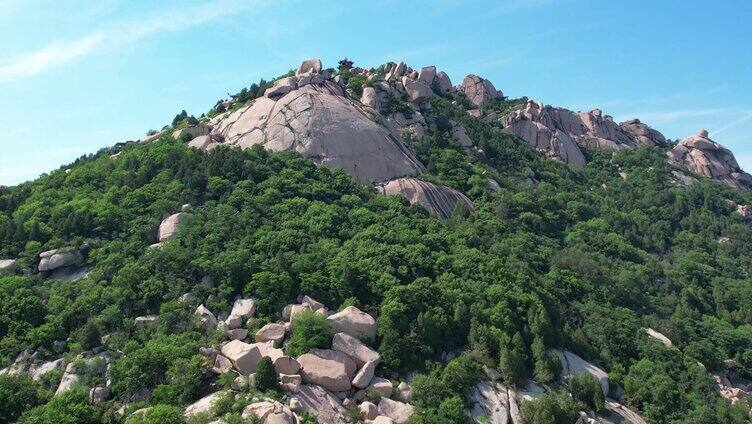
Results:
<point x="573" y="365"/>
<point x="329" y="369"/>
<point x="243" y="356"/>
<point x="324" y="405"/>
<point x="355" y="349"/>
<point x="364" y="375"/>
<point x="169" y="227"/>
<point x="439" y="201"/>
<point x="286" y="365"/>
<point x="354" y="322"/>
<point x="203" y="405"/>
<point x="399" y="412"/>
<point x="272" y="332"/>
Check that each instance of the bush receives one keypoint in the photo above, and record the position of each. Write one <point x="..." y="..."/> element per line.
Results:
<point x="309" y="331"/>
<point x="587" y="389"/>
<point x="555" y="407"/>
<point x="71" y="407"/>
<point x="266" y="375"/>
<point x="160" y="414"/>
<point x="18" y="393"/>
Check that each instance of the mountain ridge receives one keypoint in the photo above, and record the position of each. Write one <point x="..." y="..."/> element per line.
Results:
<point x="176" y="276"/>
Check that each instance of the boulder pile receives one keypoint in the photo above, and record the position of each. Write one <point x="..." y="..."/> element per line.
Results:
<point x="323" y="382"/>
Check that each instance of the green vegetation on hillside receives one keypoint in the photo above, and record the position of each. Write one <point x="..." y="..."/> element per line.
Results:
<point x="557" y="257"/>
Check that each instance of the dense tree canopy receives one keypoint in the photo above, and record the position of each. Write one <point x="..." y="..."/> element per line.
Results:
<point x="556" y="257"/>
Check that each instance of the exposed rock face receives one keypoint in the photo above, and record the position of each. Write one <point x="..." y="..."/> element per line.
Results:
<point x="286" y="365"/>
<point x="281" y="87"/>
<point x="272" y="332"/>
<point x="203" y="405"/>
<point x="326" y="407"/>
<point x="490" y="403"/>
<point x="659" y="336"/>
<point x="555" y="144"/>
<point x="193" y="130"/>
<point x="206" y="316"/>
<point x="355" y="349"/>
<point x="704" y="156"/>
<point x="7" y="266"/>
<point x="439" y="201"/>
<point x="169" y="227"/>
<point x="427" y="74"/>
<point x="478" y="90"/>
<point x="329" y="369"/>
<point x="558" y="132"/>
<point x="364" y="376"/>
<point x="383" y="386"/>
<point x="68" y="380"/>
<point x="443" y="82"/>
<point x="270" y="412"/>
<point x="243" y="356"/>
<point x="58" y="258"/>
<point x="310" y="66"/>
<point x="354" y="322"/>
<point x="573" y="365"/>
<point x="417" y="91"/>
<point x="399" y="412"/>
<point x="319" y="121"/>
<point x="642" y="133"/>
<point x="37" y="371"/>
<point x="745" y="211"/>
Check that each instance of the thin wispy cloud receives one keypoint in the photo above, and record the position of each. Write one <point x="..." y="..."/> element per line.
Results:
<point x="733" y="124"/>
<point x="60" y="52"/>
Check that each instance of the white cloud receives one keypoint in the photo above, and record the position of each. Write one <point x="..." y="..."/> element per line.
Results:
<point x="60" y="52"/>
<point x="55" y="54"/>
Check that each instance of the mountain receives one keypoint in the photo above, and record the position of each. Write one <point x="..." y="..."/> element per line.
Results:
<point x="380" y="245"/>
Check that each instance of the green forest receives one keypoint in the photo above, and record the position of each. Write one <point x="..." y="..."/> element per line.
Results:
<point x="556" y="257"/>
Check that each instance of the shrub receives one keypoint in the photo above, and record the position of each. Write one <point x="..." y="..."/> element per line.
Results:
<point x="266" y="375"/>
<point x="587" y="389"/>
<point x="18" y="393"/>
<point x="309" y="331"/>
<point x="555" y="407"/>
<point x="160" y="414"/>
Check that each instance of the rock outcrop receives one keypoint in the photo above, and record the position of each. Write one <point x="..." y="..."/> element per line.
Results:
<point x="573" y="365"/>
<point x="560" y="132"/>
<point x="642" y="133"/>
<point x="439" y="201"/>
<point x="270" y="412"/>
<point x="354" y="322"/>
<point x="169" y="226"/>
<point x="312" y="115"/>
<point x="659" y="336"/>
<point x="316" y="400"/>
<point x="355" y="349"/>
<point x="700" y="154"/>
<point x="479" y="90"/>
<point x="329" y="369"/>
<point x="59" y="258"/>
<point x="205" y="404"/>
<point x="7" y="266"/>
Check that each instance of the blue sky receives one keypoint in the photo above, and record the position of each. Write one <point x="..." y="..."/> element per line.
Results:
<point x="76" y="76"/>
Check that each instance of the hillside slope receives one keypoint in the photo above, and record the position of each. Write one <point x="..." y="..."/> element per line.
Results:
<point x="578" y="269"/>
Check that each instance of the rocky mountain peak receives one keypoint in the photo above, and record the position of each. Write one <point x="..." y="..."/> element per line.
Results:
<point x="704" y="156"/>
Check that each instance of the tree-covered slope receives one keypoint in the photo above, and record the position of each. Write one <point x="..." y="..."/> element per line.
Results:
<point x="554" y="257"/>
